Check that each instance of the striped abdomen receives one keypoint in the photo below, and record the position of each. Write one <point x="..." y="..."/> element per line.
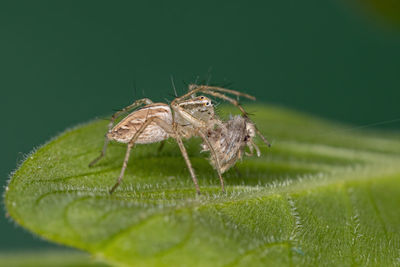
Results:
<point x="125" y="130"/>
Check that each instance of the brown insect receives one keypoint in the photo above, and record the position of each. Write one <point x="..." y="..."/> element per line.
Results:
<point x="187" y="116"/>
<point x="229" y="140"/>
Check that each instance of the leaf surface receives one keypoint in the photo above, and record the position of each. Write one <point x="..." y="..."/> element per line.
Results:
<point x="48" y="259"/>
<point x="322" y="195"/>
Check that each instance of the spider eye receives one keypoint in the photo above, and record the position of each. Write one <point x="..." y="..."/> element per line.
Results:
<point x="202" y="97"/>
<point x="208" y="103"/>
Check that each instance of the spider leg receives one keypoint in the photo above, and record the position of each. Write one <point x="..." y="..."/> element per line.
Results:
<point x="102" y="152"/>
<point x="131" y="144"/>
<point x="187" y="116"/>
<point x="227" y="98"/>
<point x="170" y="131"/>
<point x="193" y="88"/>
<point x="111" y="124"/>
<point x="160" y="148"/>
<point x="137" y="103"/>
<point x="262" y="136"/>
<point x="210" y="90"/>
<point x="236" y="103"/>
<point x="187" y="160"/>
<point x="214" y="155"/>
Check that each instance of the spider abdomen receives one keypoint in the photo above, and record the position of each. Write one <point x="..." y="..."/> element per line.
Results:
<point x="125" y="130"/>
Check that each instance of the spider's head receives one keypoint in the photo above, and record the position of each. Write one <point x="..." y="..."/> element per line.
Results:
<point x="197" y="103"/>
<point x="199" y="107"/>
<point x="203" y="101"/>
<point x="202" y="108"/>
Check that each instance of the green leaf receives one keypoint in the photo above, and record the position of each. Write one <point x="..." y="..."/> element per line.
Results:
<point x="47" y="258"/>
<point x="322" y="195"/>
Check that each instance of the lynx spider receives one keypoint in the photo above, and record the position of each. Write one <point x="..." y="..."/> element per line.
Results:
<point x="187" y="116"/>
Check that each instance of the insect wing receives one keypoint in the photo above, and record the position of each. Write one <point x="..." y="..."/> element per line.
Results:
<point x="228" y="142"/>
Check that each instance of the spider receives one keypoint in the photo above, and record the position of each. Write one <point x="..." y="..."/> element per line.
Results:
<point x="187" y="116"/>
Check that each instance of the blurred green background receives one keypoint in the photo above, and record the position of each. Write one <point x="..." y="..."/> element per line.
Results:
<point x="67" y="62"/>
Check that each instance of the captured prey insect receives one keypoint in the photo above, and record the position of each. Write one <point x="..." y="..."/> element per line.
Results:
<point x="229" y="140"/>
<point x="187" y="116"/>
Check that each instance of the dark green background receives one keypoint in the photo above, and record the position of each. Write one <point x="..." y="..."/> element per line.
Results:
<point x="66" y="62"/>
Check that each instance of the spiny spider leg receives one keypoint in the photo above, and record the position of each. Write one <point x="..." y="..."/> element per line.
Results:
<point x="173" y="134"/>
<point x="187" y="160"/>
<point x="236" y="103"/>
<point x="193" y="88"/>
<point x="131" y="143"/>
<point x="187" y="116"/>
<point x="214" y="155"/>
<point x="143" y="101"/>
<point x="161" y="146"/>
<point x="128" y="150"/>
<point x="210" y="90"/>
<point x="202" y="88"/>
<point x="227" y="98"/>
<point x="137" y="103"/>
<point x="102" y="152"/>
